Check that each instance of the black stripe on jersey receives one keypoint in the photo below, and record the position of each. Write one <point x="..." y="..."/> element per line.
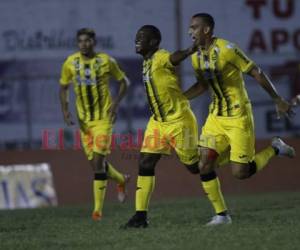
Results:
<point x="226" y="97"/>
<point x="77" y="68"/>
<point x="214" y="104"/>
<point x="149" y="100"/>
<point x="200" y="73"/>
<point x="212" y="84"/>
<point x="89" y="92"/>
<point x="241" y="55"/>
<point x="98" y="82"/>
<point x="98" y="87"/>
<point x="159" y="105"/>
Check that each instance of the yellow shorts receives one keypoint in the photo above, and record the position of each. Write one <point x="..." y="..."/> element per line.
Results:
<point x="181" y="135"/>
<point x="233" y="134"/>
<point x="96" y="137"/>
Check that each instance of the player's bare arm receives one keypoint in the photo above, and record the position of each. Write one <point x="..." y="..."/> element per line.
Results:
<point x="197" y="89"/>
<point x="124" y="83"/>
<point x="282" y="106"/>
<point x="178" y="56"/>
<point x="64" y="101"/>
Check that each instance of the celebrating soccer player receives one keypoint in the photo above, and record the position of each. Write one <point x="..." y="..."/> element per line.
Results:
<point x="218" y="66"/>
<point x="90" y="72"/>
<point x="172" y="124"/>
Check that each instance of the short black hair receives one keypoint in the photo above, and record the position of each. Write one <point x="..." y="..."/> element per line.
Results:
<point x="87" y="31"/>
<point x="207" y="18"/>
<point x="153" y="31"/>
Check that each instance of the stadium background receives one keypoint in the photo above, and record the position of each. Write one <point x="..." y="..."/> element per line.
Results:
<point x="36" y="37"/>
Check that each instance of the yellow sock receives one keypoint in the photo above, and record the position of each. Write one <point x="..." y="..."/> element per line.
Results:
<point x="99" y="194"/>
<point x="145" y="187"/>
<point x="262" y="158"/>
<point x="213" y="190"/>
<point x="115" y="174"/>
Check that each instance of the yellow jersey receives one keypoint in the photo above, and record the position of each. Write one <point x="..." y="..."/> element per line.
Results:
<point x="164" y="94"/>
<point x="90" y="78"/>
<point x="221" y="68"/>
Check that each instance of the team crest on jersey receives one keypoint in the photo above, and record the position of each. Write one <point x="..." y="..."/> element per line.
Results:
<point x="77" y="65"/>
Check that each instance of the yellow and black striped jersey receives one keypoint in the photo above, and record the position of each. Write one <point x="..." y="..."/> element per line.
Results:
<point x="221" y="67"/>
<point x="165" y="97"/>
<point x="90" y="78"/>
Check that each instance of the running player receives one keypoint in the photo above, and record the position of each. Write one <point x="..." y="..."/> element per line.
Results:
<point x="172" y="124"/>
<point x="218" y="66"/>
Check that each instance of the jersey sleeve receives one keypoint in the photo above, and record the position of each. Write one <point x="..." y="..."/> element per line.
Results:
<point x="238" y="58"/>
<point x="66" y="75"/>
<point x="165" y="60"/>
<point x="115" y="70"/>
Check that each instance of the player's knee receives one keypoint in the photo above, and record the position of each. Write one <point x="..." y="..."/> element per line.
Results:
<point x="206" y="164"/>
<point x="99" y="163"/>
<point x="146" y="167"/>
<point x="241" y="174"/>
<point x="193" y="169"/>
<point x="205" y="167"/>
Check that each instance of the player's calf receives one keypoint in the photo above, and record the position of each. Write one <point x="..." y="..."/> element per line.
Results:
<point x="147" y="163"/>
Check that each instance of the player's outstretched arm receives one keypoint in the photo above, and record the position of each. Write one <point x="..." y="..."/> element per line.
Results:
<point x="282" y="106"/>
<point x="64" y="101"/>
<point x="195" y="90"/>
<point x="178" y="56"/>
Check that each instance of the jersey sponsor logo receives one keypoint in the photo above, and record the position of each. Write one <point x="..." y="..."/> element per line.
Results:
<point x="87" y="82"/>
<point x="243" y="156"/>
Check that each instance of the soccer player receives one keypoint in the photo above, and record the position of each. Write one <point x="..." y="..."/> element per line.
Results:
<point x="172" y="124"/>
<point x="89" y="72"/>
<point x="218" y="65"/>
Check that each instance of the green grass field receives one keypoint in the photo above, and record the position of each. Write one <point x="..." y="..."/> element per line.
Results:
<point x="269" y="221"/>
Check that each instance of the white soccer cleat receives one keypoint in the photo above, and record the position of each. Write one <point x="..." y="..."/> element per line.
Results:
<point x="282" y="148"/>
<point x="122" y="190"/>
<point x="219" y="220"/>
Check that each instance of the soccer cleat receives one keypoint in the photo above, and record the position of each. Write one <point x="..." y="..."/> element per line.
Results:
<point x="219" y="220"/>
<point x="96" y="216"/>
<point x="136" y="222"/>
<point x="282" y="149"/>
<point x="121" y="189"/>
